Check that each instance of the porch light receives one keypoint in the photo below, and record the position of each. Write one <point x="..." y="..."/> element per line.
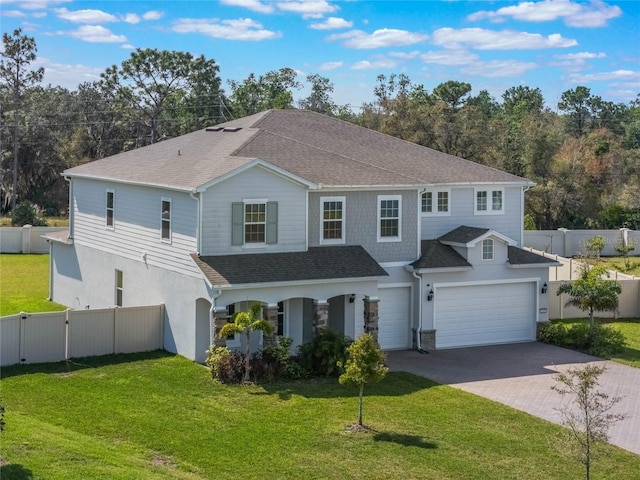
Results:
<point x="352" y="298"/>
<point x="544" y="288"/>
<point x="430" y="295"/>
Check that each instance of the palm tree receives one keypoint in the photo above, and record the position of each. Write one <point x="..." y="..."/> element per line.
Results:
<point x="244" y="323"/>
<point x="592" y="293"/>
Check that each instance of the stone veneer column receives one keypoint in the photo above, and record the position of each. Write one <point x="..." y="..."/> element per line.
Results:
<point x="321" y="317"/>
<point x="271" y="316"/>
<point x="371" y="316"/>
<point x="220" y="316"/>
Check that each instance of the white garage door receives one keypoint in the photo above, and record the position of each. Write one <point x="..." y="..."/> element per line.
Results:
<point x="393" y="318"/>
<point x="484" y="314"/>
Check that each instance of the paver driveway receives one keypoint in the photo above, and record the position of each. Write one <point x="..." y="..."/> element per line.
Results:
<point x="520" y="375"/>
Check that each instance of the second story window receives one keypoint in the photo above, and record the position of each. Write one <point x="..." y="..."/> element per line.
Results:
<point x="436" y="202"/>
<point x="254" y="222"/>
<point x="489" y="202"/>
<point x="165" y="227"/>
<point x="332" y="219"/>
<point x="389" y="214"/>
<point x="110" y="210"/>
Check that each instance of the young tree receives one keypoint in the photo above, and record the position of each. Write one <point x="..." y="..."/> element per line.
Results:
<point x="244" y="323"/>
<point x="595" y="245"/>
<point x="592" y="293"/>
<point x="588" y="416"/>
<point x="364" y="365"/>
<point x="15" y="75"/>
<point x="624" y="248"/>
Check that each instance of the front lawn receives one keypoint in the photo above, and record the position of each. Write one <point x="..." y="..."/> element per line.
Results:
<point x="619" y="264"/>
<point x="24" y="284"/>
<point x="158" y="416"/>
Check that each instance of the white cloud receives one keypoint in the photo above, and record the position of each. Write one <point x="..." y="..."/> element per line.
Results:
<point x="153" y="15"/>
<point x="85" y="16"/>
<point x="12" y="13"/>
<point x="386" y="37"/>
<point x="332" y="23"/>
<point x="131" y="18"/>
<point x="483" y="39"/>
<point x="127" y="46"/>
<point x="617" y="75"/>
<point x="405" y="55"/>
<point x="254" y="5"/>
<point x="67" y="75"/>
<point x="498" y="68"/>
<point x="308" y="8"/>
<point x="449" y="57"/>
<point x="241" y="29"/>
<point x="377" y="64"/>
<point x="34" y="4"/>
<point x="95" y="34"/>
<point x="581" y="56"/>
<point x="595" y="14"/>
<point x="330" y="66"/>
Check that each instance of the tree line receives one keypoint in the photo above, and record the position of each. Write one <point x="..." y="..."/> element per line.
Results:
<point x="583" y="153"/>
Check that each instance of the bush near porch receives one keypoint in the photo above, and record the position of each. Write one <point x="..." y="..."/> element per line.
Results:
<point x="159" y="416"/>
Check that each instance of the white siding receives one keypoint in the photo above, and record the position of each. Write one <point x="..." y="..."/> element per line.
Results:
<point x="256" y="183"/>
<point x="83" y="276"/>
<point x="462" y="203"/>
<point x="137" y="221"/>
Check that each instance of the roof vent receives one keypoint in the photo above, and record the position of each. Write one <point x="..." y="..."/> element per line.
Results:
<point x="231" y="129"/>
<point x="214" y="129"/>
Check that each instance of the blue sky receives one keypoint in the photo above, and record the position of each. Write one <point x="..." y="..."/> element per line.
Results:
<point x="555" y="45"/>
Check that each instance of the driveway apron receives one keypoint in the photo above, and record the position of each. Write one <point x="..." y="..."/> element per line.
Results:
<point x="521" y="376"/>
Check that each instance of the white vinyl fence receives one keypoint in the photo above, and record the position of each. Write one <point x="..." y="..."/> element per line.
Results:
<point x="569" y="243"/>
<point x="58" y="336"/>
<point x="26" y="239"/>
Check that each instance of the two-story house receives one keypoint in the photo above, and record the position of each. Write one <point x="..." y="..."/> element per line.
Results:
<point x="325" y="223"/>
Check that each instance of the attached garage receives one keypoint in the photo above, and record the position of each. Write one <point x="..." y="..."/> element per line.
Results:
<point x="394" y="315"/>
<point x="484" y="314"/>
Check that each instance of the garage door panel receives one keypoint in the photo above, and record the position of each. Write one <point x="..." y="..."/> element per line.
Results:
<point x="484" y="314"/>
<point x="394" y="318"/>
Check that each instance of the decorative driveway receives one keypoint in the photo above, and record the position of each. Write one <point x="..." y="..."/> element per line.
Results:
<point x="520" y="376"/>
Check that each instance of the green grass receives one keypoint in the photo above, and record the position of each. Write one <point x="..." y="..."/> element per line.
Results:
<point x="618" y="263"/>
<point x="51" y="221"/>
<point x="24" y="284"/>
<point x="158" y="416"/>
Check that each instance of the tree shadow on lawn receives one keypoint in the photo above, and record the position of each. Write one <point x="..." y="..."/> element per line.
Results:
<point x="15" y="472"/>
<point x="404" y="439"/>
<point x="75" y="364"/>
<point x="394" y="384"/>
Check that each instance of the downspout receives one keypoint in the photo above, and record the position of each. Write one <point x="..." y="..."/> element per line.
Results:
<point x="199" y="222"/>
<point x="419" y="332"/>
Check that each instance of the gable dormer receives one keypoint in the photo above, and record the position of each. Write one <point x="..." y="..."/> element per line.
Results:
<point x="479" y="245"/>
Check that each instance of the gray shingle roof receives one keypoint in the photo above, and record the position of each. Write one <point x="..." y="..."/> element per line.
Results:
<point x="518" y="256"/>
<point x="318" y="148"/>
<point x="318" y="263"/>
<point x="436" y="255"/>
<point x="463" y="234"/>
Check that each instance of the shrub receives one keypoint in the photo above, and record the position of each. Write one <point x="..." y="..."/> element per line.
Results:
<point x="275" y="363"/>
<point x="322" y="355"/>
<point x="606" y="341"/>
<point x="226" y="366"/>
<point x="27" y="213"/>
<point x="603" y="342"/>
<point x="553" y="333"/>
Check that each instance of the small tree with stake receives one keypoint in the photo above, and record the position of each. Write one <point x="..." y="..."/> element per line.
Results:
<point x="588" y="417"/>
<point x="244" y="323"/>
<point x="364" y="365"/>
